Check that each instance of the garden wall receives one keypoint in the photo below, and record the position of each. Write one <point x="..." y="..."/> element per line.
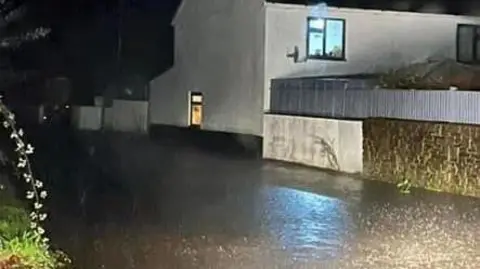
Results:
<point x="431" y="137"/>
<point x="433" y="155"/>
<point x="318" y="142"/>
<point x="123" y="116"/>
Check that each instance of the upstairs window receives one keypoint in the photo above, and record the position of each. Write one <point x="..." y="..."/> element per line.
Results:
<point x="326" y="39"/>
<point x="468" y="43"/>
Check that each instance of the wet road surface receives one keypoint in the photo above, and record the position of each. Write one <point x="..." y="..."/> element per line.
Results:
<point x="199" y="210"/>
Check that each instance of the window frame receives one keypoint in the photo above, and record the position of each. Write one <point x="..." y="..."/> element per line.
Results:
<point x="326" y="57"/>
<point x="476" y="38"/>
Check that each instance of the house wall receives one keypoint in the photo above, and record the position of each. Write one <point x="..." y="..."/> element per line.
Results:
<point x="128" y="116"/>
<point x="375" y="41"/>
<point x="219" y="51"/>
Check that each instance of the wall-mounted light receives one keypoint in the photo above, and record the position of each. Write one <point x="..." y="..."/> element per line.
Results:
<point x="295" y="55"/>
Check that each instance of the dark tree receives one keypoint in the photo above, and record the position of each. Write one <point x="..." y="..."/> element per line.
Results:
<point x="19" y="29"/>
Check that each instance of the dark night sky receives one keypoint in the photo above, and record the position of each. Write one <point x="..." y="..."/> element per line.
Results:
<point x="450" y="6"/>
<point x="83" y="42"/>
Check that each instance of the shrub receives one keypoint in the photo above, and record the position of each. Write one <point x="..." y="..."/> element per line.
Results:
<point x="23" y="243"/>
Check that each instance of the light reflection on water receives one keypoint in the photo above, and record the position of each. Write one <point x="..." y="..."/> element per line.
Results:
<point x="206" y="212"/>
<point x="306" y="224"/>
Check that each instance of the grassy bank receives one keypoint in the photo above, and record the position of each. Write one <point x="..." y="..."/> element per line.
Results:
<point x="20" y="246"/>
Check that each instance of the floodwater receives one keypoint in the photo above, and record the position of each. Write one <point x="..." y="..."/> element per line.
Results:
<point x="185" y="208"/>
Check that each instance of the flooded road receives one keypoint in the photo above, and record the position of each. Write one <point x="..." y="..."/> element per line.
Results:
<point x="191" y="209"/>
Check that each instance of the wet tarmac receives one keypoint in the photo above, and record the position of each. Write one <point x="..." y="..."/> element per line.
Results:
<point x="191" y="209"/>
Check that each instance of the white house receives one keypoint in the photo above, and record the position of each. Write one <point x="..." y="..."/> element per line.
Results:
<point x="227" y="51"/>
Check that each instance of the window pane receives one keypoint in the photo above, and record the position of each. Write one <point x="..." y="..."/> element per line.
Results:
<point x="316" y="24"/>
<point x="466" y="36"/>
<point x="477" y="43"/>
<point x="315" y="44"/>
<point x="334" y="38"/>
<point x="477" y="56"/>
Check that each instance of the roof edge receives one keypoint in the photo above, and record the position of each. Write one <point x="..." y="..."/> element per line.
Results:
<point x="178" y="12"/>
<point x="365" y="10"/>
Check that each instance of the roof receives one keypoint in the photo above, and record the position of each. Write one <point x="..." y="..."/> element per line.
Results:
<point x="178" y="11"/>
<point x="466" y="7"/>
<point x="462" y="7"/>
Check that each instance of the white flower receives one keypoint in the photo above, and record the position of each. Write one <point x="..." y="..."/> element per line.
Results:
<point x="29" y="149"/>
<point x="22" y="162"/>
<point x="45" y="240"/>
<point x="33" y="225"/>
<point x="6" y="124"/>
<point x="40" y="230"/>
<point x="30" y="194"/>
<point x="38" y="184"/>
<point x="13" y="135"/>
<point x="43" y="194"/>
<point x="20" y="132"/>
<point x="33" y="215"/>
<point x="42" y="217"/>
<point x="27" y="177"/>
<point x="37" y="205"/>
<point x="20" y="145"/>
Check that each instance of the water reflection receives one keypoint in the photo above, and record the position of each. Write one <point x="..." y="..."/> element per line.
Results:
<point x="202" y="211"/>
<point x="306" y="224"/>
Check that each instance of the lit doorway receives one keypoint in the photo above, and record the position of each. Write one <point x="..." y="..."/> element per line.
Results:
<point x="195" y="109"/>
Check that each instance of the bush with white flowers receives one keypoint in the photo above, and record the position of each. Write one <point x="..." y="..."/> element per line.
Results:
<point x="36" y="193"/>
<point x="31" y="248"/>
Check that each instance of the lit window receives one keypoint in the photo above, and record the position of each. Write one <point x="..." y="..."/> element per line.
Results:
<point x="468" y="43"/>
<point x="326" y="39"/>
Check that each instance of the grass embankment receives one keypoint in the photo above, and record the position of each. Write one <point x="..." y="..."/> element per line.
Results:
<point x="20" y="246"/>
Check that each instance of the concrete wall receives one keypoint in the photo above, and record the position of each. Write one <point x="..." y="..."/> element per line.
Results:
<point x="375" y="40"/>
<point x="325" y="143"/>
<point x="219" y="51"/>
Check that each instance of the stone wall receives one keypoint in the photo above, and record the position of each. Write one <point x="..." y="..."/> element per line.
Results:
<point x="438" y="156"/>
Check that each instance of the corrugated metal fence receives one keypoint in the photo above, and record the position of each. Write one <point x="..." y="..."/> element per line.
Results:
<point x="428" y="105"/>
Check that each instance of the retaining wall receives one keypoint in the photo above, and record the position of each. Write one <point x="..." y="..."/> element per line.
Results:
<point x="324" y="143"/>
<point x="433" y="155"/>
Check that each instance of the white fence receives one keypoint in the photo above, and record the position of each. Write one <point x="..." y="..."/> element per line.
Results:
<point x="427" y="105"/>
<point x="123" y="115"/>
